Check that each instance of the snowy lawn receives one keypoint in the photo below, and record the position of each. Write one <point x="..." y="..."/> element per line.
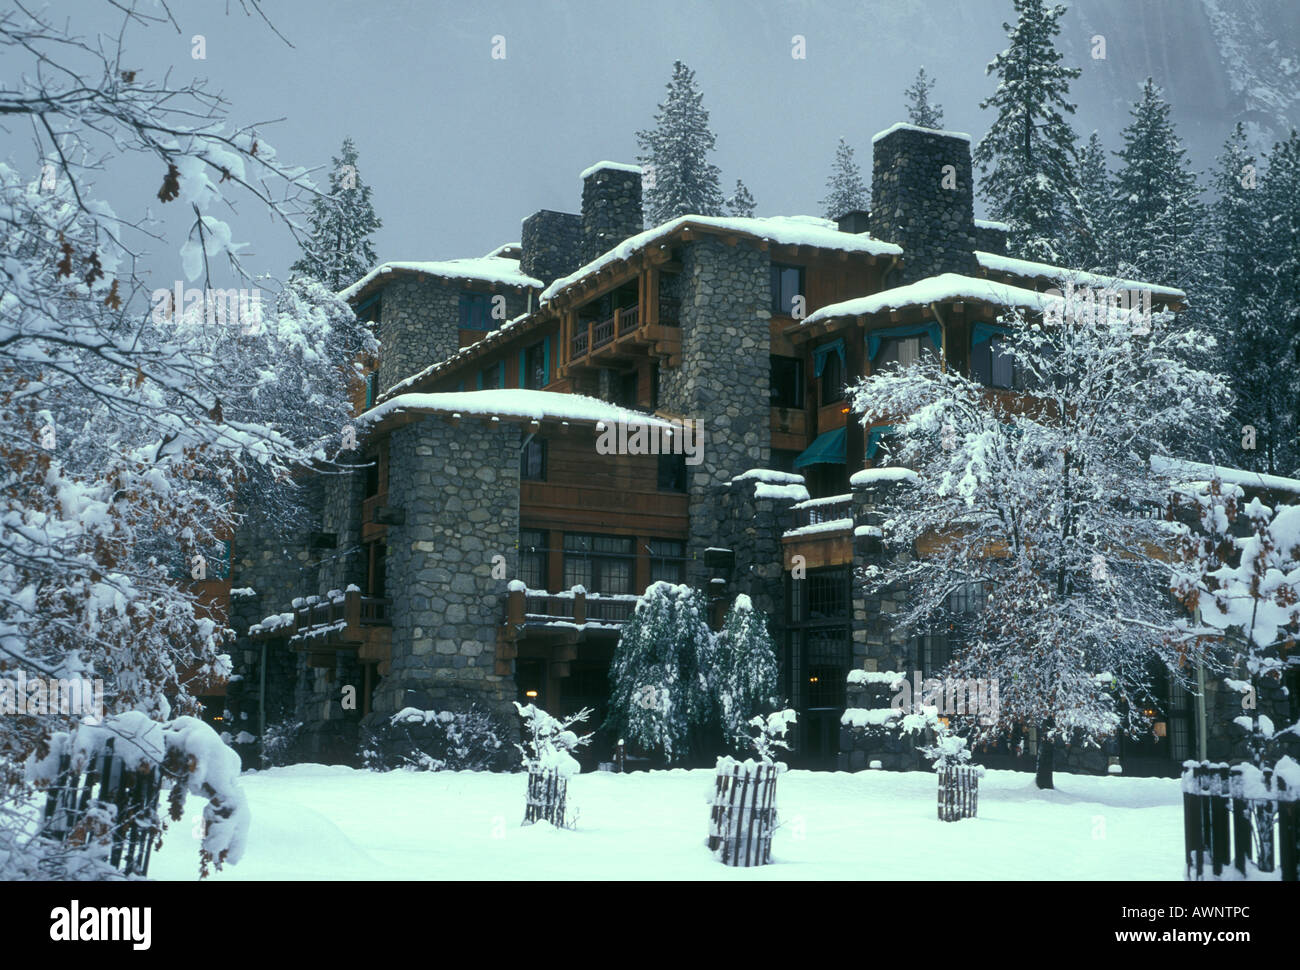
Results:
<point x="336" y="823"/>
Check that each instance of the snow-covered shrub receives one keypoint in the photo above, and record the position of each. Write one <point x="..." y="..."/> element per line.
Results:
<point x="767" y="734"/>
<point x="465" y="740"/>
<point x="744" y="671"/>
<point x="279" y="742"/>
<point x="548" y="757"/>
<point x="660" y="697"/>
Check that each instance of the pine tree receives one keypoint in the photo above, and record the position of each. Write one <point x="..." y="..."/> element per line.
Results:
<point x="1280" y="203"/>
<point x="684" y="181"/>
<point x="338" y="250"/>
<point x="741" y="202"/>
<point x="744" y="671"/>
<point x="846" y="192"/>
<point x="1159" y="222"/>
<point x="659" y="697"/>
<point x="1092" y="249"/>
<point x="920" y="110"/>
<point x="1027" y="156"/>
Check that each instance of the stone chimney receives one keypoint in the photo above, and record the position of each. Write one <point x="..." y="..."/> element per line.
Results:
<point x="611" y="207"/>
<point x="552" y="244"/>
<point x="855" y="221"/>
<point x="991" y="236"/>
<point x="922" y="199"/>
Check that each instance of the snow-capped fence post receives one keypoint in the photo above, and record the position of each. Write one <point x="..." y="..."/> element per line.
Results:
<point x="1228" y="814"/>
<point x="958" y="792"/>
<point x="125" y="808"/>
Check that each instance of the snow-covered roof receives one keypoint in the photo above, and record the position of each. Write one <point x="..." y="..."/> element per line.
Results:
<point x="1027" y="267"/>
<point x="904" y="126"/>
<point x="488" y="269"/>
<point x="615" y="166"/>
<point x="990" y="224"/>
<point x="1198" y="473"/>
<point x="515" y="403"/>
<point x="936" y="289"/>
<point x="783" y="230"/>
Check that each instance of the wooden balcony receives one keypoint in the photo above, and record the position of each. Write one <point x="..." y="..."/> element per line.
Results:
<point x="322" y="626"/>
<point x="625" y="334"/>
<point x="822" y="532"/>
<point x="560" y="621"/>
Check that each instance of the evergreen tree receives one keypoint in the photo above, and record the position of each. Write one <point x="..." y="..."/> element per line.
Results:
<point x="338" y="250"/>
<point x="741" y="202"/>
<point x="920" y="110"/>
<point x="676" y="150"/>
<point x="659" y="696"/>
<point x="1027" y="156"/>
<point x="1280" y="291"/>
<point x="1092" y="249"/>
<point x="1159" y="221"/>
<point x="744" y="671"/>
<point x="846" y="192"/>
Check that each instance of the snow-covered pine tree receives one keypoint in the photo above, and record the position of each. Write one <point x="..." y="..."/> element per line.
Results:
<point x="1247" y="589"/>
<point x="1027" y="156"/>
<point x="1047" y="501"/>
<point x="676" y="149"/>
<point x="920" y="109"/>
<point x="1092" y="248"/>
<point x="660" y="698"/>
<point x="744" y="671"/>
<point x="1158" y="225"/>
<point x="741" y="202"/>
<point x="1280" y="203"/>
<point x="338" y="250"/>
<point x="846" y="192"/>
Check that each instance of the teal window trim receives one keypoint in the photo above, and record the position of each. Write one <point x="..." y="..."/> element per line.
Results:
<point x="372" y="379"/>
<point x="986" y="331"/>
<point x="546" y="361"/>
<point x="876" y="338"/>
<point x="874" y="436"/>
<point x="821" y="353"/>
<point x="828" y="448"/>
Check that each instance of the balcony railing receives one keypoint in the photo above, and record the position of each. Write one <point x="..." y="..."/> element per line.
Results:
<point x="576" y="606"/>
<point x="591" y="335"/>
<point x="819" y="511"/>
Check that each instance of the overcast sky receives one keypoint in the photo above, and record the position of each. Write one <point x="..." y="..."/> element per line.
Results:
<point x="459" y="146"/>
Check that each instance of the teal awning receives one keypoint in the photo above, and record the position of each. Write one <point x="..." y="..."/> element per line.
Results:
<point x="876" y="338"/>
<point x="874" y="436"/>
<point x="827" y="449"/>
<point x="825" y="350"/>
<point x="984" y="331"/>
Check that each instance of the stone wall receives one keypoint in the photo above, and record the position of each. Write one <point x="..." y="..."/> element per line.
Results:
<point x="725" y="304"/>
<point x="458" y="487"/>
<point x="911" y="207"/>
<point x="552" y="245"/>
<point x="611" y="210"/>
<point x="991" y="239"/>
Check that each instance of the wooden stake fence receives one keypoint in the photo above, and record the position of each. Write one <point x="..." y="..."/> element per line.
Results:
<point x="743" y="816"/>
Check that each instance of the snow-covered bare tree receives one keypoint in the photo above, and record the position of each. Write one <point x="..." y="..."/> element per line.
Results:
<point x="118" y="457"/>
<point x="741" y="202"/>
<point x="920" y="109"/>
<point x="1027" y="155"/>
<point x="676" y="150"/>
<point x="1048" y="500"/>
<point x="338" y="250"/>
<point x="845" y="190"/>
<point x="744" y="671"/>
<point x="1247" y="591"/>
<point x="660" y="698"/>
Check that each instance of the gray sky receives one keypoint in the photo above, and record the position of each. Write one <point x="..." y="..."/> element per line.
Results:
<point x="459" y="147"/>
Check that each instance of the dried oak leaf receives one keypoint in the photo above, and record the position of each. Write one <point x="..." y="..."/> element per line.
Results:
<point x="171" y="187"/>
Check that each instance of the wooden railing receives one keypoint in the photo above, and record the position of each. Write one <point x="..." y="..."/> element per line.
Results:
<point x="594" y="334"/>
<point x="352" y="610"/>
<point x="820" y="510"/>
<point x="574" y="606"/>
<point x="602" y="333"/>
<point x="629" y="318"/>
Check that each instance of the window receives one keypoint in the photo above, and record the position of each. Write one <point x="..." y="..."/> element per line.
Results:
<point x="532" y="460"/>
<point x="787" y="283"/>
<point x="601" y="564"/>
<point x="820" y="651"/>
<point x="490" y="378"/>
<point x="903" y="350"/>
<point x="991" y="363"/>
<point x="826" y="664"/>
<point x="372" y="387"/>
<point x="475" y="311"/>
<point x="534" y="361"/>
<point x="376" y="562"/>
<point x="787" y="382"/>
<point x="672" y="473"/>
<point x="667" y="561"/>
<point x="532" y="558"/>
<point x="832" y="380"/>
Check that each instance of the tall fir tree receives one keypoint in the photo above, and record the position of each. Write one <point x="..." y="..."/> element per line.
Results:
<point x="744" y="672"/>
<point x="1027" y="157"/>
<point x="1280" y="202"/>
<point x="338" y="250"/>
<point x="846" y="192"/>
<point x="741" y="202"/>
<point x="1158" y="226"/>
<point x="1092" y="247"/>
<point x="920" y="109"/>
<point x="676" y="149"/>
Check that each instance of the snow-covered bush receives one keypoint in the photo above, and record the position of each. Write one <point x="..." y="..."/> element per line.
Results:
<point x="549" y="742"/>
<point x="768" y="733"/>
<point x="469" y="739"/>
<point x="279" y="742"/>
<point x="744" y="673"/>
<point x="661" y="699"/>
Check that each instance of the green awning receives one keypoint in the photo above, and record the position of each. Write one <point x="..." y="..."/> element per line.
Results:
<point x="827" y="449"/>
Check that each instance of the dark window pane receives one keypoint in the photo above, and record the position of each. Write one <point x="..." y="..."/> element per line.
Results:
<point x="787" y="382"/>
<point x="672" y="473"/>
<point x="532" y="460"/>
<point x="532" y="558"/>
<point x="787" y="283"/>
<point x="832" y="379"/>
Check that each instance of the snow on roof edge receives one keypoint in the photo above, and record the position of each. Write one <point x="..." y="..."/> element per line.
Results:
<point x="516" y="402"/>
<point x="614" y="166"/>
<point x="904" y="126"/>
<point x="1028" y="267"/>
<point x="474" y="267"/>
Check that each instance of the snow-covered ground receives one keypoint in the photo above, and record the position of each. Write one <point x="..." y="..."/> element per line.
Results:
<point x="336" y="823"/>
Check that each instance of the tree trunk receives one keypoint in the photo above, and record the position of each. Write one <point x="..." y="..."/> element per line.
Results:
<point x="1046" y="758"/>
